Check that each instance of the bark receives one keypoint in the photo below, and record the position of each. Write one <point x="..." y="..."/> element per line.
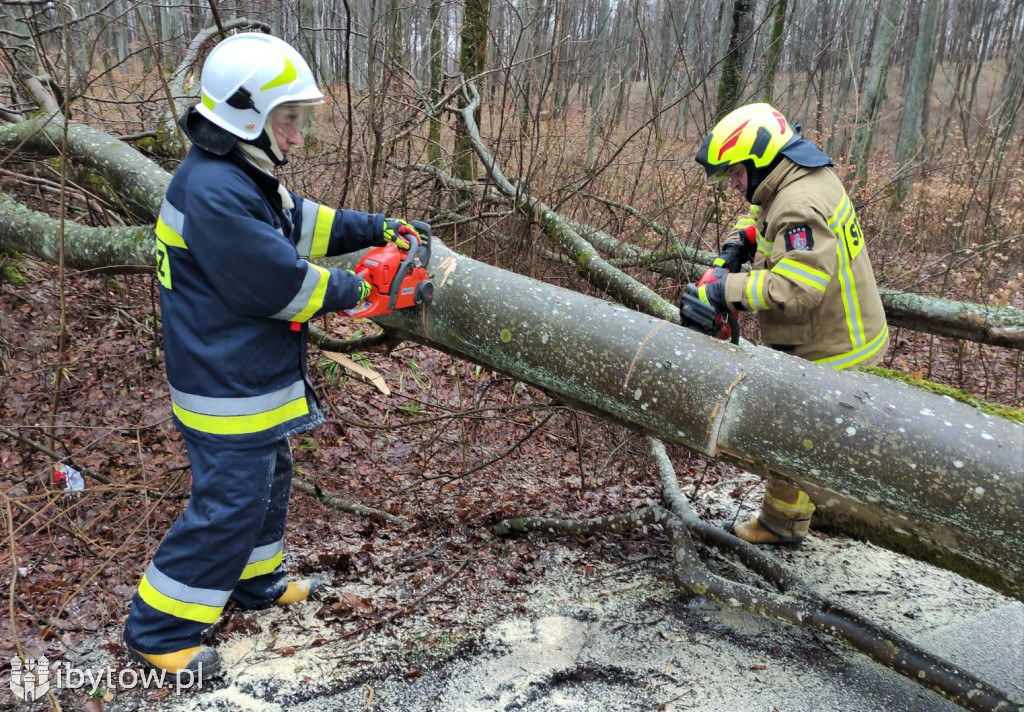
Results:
<point x="916" y="100"/>
<point x="126" y="174"/>
<point x="471" y="63"/>
<point x="436" y="63"/>
<point x="773" y="54"/>
<point x="997" y="326"/>
<point x="127" y="249"/>
<point x="730" y="84"/>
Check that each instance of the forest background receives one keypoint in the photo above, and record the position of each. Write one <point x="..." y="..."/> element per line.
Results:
<point x="595" y="108"/>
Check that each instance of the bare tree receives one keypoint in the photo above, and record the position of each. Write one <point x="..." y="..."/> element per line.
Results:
<point x="874" y="89"/>
<point x="917" y="94"/>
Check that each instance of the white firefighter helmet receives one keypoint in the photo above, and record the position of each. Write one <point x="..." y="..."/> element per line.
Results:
<point x="246" y="76"/>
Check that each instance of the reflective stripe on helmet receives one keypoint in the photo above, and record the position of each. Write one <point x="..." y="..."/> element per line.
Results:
<point x="755" y="133"/>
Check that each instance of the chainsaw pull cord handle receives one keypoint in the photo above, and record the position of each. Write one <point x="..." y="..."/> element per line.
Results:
<point x="403" y="269"/>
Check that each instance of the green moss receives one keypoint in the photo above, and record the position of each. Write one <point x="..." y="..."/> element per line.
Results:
<point x="9" y="274"/>
<point x="1010" y="413"/>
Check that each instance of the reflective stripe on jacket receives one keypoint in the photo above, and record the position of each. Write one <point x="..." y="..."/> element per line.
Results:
<point x="815" y="294"/>
<point x="234" y="275"/>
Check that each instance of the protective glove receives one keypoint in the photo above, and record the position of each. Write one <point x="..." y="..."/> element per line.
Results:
<point x="711" y="289"/>
<point x="364" y="286"/>
<point x="740" y="247"/>
<point x="396" y="232"/>
<point x="704" y="309"/>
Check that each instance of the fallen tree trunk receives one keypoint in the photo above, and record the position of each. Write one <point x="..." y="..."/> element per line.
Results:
<point x="906" y="469"/>
<point x="112" y="249"/>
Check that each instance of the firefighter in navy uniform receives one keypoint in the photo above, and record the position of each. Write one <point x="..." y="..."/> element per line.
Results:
<point x="237" y="289"/>
<point x="811" y="281"/>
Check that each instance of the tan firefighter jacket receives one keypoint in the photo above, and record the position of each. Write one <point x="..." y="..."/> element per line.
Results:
<point x="811" y="282"/>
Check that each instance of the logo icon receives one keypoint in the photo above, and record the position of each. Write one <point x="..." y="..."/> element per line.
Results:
<point x="30" y="679"/>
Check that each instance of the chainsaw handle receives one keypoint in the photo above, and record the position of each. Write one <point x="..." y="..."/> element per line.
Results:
<point x="734" y="326"/>
<point x="423" y="229"/>
<point x="403" y="269"/>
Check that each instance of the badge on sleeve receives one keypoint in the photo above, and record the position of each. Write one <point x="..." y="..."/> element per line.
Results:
<point x="799" y="238"/>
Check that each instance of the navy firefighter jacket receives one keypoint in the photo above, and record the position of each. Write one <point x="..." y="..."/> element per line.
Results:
<point x="236" y="292"/>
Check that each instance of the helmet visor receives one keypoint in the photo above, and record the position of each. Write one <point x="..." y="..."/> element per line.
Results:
<point x="288" y="118"/>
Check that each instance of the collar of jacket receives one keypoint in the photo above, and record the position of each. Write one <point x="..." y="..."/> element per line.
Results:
<point x="785" y="172"/>
<point x="267" y="183"/>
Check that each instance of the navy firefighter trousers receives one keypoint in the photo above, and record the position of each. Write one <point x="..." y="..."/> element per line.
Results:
<point x="226" y="544"/>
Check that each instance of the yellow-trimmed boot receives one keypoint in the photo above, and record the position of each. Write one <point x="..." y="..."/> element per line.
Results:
<point x="200" y="662"/>
<point x="785" y="516"/>
<point x="298" y="591"/>
<point x="755" y="533"/>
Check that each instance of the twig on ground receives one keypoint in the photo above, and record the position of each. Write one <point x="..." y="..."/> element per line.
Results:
<point x="345" y="506"/>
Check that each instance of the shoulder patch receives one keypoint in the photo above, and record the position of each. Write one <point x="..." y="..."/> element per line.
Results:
<point x="799" y="238"/>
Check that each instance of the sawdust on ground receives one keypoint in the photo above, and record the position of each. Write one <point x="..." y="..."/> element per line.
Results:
<point x="614" y="635"/>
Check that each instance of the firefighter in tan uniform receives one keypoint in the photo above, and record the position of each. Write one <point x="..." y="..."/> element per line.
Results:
<point x="811" y="282"/>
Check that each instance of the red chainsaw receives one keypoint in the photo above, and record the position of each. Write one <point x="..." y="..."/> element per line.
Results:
<point x="398" y="278"/>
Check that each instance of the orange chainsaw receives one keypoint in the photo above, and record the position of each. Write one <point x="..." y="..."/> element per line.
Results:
<point x="398" y="278"/>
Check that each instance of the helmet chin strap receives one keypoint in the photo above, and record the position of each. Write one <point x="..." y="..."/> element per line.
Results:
<point x="268" y="144"/>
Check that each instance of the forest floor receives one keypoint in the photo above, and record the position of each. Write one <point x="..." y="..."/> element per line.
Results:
<point x="435" y="613"/>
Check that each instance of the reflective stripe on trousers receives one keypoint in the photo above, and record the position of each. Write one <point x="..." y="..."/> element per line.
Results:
<point x="240" y="416"/>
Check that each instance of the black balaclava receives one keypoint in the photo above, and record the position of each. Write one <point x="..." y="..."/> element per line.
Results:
<point x="205" y="134"/>
<point x="756" y="176"/>
<point x="210" y="137"/>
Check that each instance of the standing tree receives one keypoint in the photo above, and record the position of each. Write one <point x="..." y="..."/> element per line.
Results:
<point x="874" y="88"/>
<point x="472" y="62"/>
<point x="730" y="86"/>
<point x="773" y="54"/>
<point x="916" y="99"/>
